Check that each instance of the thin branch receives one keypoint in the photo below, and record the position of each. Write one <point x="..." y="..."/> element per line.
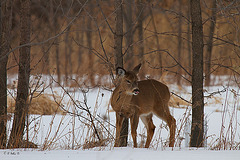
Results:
<point x="216" y="92"/>
<point x="181" y="98"/>
<point x="162" y="50"/>
<point x="105" y="18"/>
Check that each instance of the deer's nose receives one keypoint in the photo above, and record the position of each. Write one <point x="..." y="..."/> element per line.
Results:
<point x="136" y="91"/>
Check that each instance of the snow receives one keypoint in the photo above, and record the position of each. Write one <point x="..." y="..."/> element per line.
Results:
<point x="120" y="154"/>
<point x="63" y="136"/>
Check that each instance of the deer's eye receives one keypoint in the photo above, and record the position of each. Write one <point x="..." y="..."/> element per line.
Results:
<point x="128" y="81"/>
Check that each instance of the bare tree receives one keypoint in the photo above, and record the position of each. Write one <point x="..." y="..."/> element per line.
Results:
<point x="67" y="55"/>
<point x="189" y="40"/>
<point x="18" y="126"/>
<point x="128" y="17"/>
<point x="140" y="16"/>
<point x="54" y="27"/>
<point x="118" y="37"/>
<point x="68" y="59"/>
<point x="197" y="75"/>
<point x="57" y="61"/>
<point x="89" y="36"/>
<point x="210" y="45"/>
<point x="79" y="38"/>
<point x="157" y="40"/>
<point x="179" y="42"/>
<point x="5" y="37"/>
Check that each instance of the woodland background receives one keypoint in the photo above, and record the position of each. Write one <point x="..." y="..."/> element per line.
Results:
<point x="78" y="41"/>
<point x="71" y="41"/>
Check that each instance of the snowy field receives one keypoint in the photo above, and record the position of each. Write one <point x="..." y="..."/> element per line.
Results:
<point x="120" y="154"/>
<point x="72" y="136"/>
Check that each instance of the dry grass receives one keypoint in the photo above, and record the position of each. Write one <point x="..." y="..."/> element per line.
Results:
<point x="83" y="136"/>
<point x="40" y="104"/>
<point x="176" y="102"/>
<point x="93" y="144"/>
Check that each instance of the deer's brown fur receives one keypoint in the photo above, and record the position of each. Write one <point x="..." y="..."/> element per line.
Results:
<point x="141" y="99"/>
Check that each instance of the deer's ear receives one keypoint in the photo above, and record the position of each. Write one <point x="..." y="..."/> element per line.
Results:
<point x="120" y="71"/>
<point x="137" y="68"/>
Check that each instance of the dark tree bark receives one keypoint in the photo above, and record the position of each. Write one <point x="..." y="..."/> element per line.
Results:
<point x="140" y="16"/>
<point x="68" y="61"/>
<point x="57" y="62"/>
<point x="189" y="41"/>
<point x="5" y="37"/>
<point x="79" y="37"/>
<point x="89" y="44"/>
<point x="70" y="50"/>
<point x="129" y="33"/>
<point x="118" y="37"/>
<point x="54" y="27"/>
<point x="18" y="126"/>
<point x="157" y="40"/>
<point x="179" y="42"/>
<point x="66" y="56"/>
<point x="197" y="75"/>
<point x="210" y="45"/>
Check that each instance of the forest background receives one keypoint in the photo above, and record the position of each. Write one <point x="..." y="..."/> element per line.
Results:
<point x="73" y="40"/>
<point x="68" y="40"/>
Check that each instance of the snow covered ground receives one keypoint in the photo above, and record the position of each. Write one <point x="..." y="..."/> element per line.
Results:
<point x="119" y="154"/>
<point x="66" y="136"/>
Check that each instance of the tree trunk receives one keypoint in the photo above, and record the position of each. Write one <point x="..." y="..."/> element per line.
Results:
<point x="79" y="37"/>
<point x="5" y="38"/>
<point x="3" y="99"/>
<point x="197" y="75"/>
<point x="140" y="16"/>
<point x="129" y="34"/>
<point x="58" y="62"/>
<point x="66" y="55"/>
<point x="89" y="44"/>
<point x="179" y="72"/>
<point x="54" y="27"/>
<point x="157" y="40"/>
<point x="189" y="40"/>
<point x="118" y="37"/>
<point x="18" y="126"/>
<point x="210" y="45"/>
<point x="70" y="50"/>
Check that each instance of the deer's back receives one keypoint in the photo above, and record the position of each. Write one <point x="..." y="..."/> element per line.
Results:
<point x="152" y="94"/>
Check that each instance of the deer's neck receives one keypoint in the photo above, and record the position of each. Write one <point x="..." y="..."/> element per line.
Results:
<point x="121" y="98"/>
<point x="122" y="103"/>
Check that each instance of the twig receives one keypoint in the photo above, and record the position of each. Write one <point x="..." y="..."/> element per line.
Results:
<point x="181" y="98"/>
<point x="217" y="92"/>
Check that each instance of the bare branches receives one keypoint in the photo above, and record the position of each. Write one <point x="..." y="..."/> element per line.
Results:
<point x="177" y="63"/>
<point x="105" y="18"/>
<point x="51" y="38"/>
<point x="83" y="106"/>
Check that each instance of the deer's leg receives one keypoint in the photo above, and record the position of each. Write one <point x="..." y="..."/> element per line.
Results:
<point x="134" y="124"/>
<point x="147" y="120"/>
<point x="165" y="115"/>
<point x="119" y="121"/>
<point x="172" y="125"/>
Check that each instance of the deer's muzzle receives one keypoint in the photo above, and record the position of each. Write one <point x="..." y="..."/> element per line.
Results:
<point x="136" y="91"/>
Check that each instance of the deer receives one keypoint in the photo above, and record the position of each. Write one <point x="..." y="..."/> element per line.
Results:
<point x="136" y="99"/>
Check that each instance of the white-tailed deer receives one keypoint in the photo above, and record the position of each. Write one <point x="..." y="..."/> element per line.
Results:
<point x="133" y="99"/>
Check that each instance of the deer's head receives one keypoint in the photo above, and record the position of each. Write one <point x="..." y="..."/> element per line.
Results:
<point x="128" y="80"/>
